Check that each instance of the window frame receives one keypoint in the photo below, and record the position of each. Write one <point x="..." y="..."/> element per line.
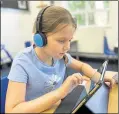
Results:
<point x="86" y="11"/>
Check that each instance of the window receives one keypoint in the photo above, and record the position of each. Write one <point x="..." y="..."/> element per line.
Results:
<point x="89" y="13"/>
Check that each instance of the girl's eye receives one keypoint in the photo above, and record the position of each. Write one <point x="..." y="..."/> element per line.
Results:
<point x="61" y="41"/>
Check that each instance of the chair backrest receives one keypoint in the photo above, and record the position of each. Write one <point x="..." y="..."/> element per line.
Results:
<point x="4" y="84"/>
<point x="106" y="47"/>
<point x="107" y="50"/>
<point x="9" y="56"/>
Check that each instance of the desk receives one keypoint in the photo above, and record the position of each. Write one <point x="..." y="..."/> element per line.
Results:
<point x="112" y="105"/>
<point x="94" y="55"/>
<point x="113" y="100"/>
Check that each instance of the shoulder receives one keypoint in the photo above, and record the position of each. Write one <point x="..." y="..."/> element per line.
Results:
<point x="23" y="56"/>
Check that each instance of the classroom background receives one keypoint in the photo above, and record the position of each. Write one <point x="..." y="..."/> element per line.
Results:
<point x="96" y="36"/>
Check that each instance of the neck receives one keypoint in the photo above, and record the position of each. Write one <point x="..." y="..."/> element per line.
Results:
<point x="43" y="56"/>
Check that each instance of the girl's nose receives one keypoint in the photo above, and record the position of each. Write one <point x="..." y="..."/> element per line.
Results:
<point x="67" y="46"/>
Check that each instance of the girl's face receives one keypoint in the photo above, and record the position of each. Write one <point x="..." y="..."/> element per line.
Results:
<point x="59" y="42"/>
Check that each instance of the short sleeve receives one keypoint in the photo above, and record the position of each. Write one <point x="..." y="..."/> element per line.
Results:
<point x="69" y="57"/>
<point x="18" y="74"/>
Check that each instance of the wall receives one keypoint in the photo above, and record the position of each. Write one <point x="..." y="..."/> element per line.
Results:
<point x="91" y="39"/>
<point x="16" y="28"/>
<point x="112" y="32"/>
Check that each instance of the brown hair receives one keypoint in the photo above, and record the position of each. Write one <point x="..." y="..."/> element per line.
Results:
<point x="53" y="17"/>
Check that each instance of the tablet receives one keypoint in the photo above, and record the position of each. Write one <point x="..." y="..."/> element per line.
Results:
<point x="87" y="96"/>
<point x="78" y="97"/>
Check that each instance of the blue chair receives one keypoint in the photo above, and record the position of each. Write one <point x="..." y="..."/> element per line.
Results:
<point x="4" y="84"/>
<point x="107" y="51"/>
<point x="8" y="55"/>
<point x="27" y="43"/>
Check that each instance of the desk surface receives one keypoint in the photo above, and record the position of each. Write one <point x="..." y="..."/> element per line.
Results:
<point x="94" y="55"/>
<point x="113" y="100"/>
<point x="112" y="104"/>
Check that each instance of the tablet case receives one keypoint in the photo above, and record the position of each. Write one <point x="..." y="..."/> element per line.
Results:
<point x="69" y="102"/>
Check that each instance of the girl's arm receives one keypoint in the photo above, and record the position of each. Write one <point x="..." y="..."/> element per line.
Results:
<point x="82" y="67"/>
<point x="90" y="72"/>
<point x="15" y="100"/>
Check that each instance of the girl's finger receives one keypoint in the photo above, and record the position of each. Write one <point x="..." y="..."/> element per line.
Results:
<point x="75" y="80"/>
<point x="80" y="79"/>
<point x="85" y="78"/>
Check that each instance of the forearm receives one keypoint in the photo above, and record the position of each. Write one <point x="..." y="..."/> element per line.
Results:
<point x="95" y="76"/>
<point x="90" y="72"/>
<point x="38" y="105"/>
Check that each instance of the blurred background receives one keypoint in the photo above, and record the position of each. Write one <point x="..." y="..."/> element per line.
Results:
<point x="96" y="35"/>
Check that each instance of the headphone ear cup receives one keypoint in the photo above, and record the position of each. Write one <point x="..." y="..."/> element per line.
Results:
<point x="44" y="39"/>
<point x="40" y="39"/>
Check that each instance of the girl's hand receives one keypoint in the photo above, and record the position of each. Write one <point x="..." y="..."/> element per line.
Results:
<point x="70" y="83"/>
<point x="109" y="80"/>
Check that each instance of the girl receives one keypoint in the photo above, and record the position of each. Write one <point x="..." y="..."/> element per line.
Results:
<point x="37" y="73"/>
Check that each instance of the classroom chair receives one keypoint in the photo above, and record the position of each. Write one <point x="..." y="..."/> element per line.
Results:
<point x="4" y="84"/>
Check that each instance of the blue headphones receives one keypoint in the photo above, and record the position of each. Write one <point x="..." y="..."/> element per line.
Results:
<point x="40" y="38"/>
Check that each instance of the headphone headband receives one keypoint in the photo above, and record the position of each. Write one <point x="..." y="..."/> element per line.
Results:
<point x="39" y="20"/>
